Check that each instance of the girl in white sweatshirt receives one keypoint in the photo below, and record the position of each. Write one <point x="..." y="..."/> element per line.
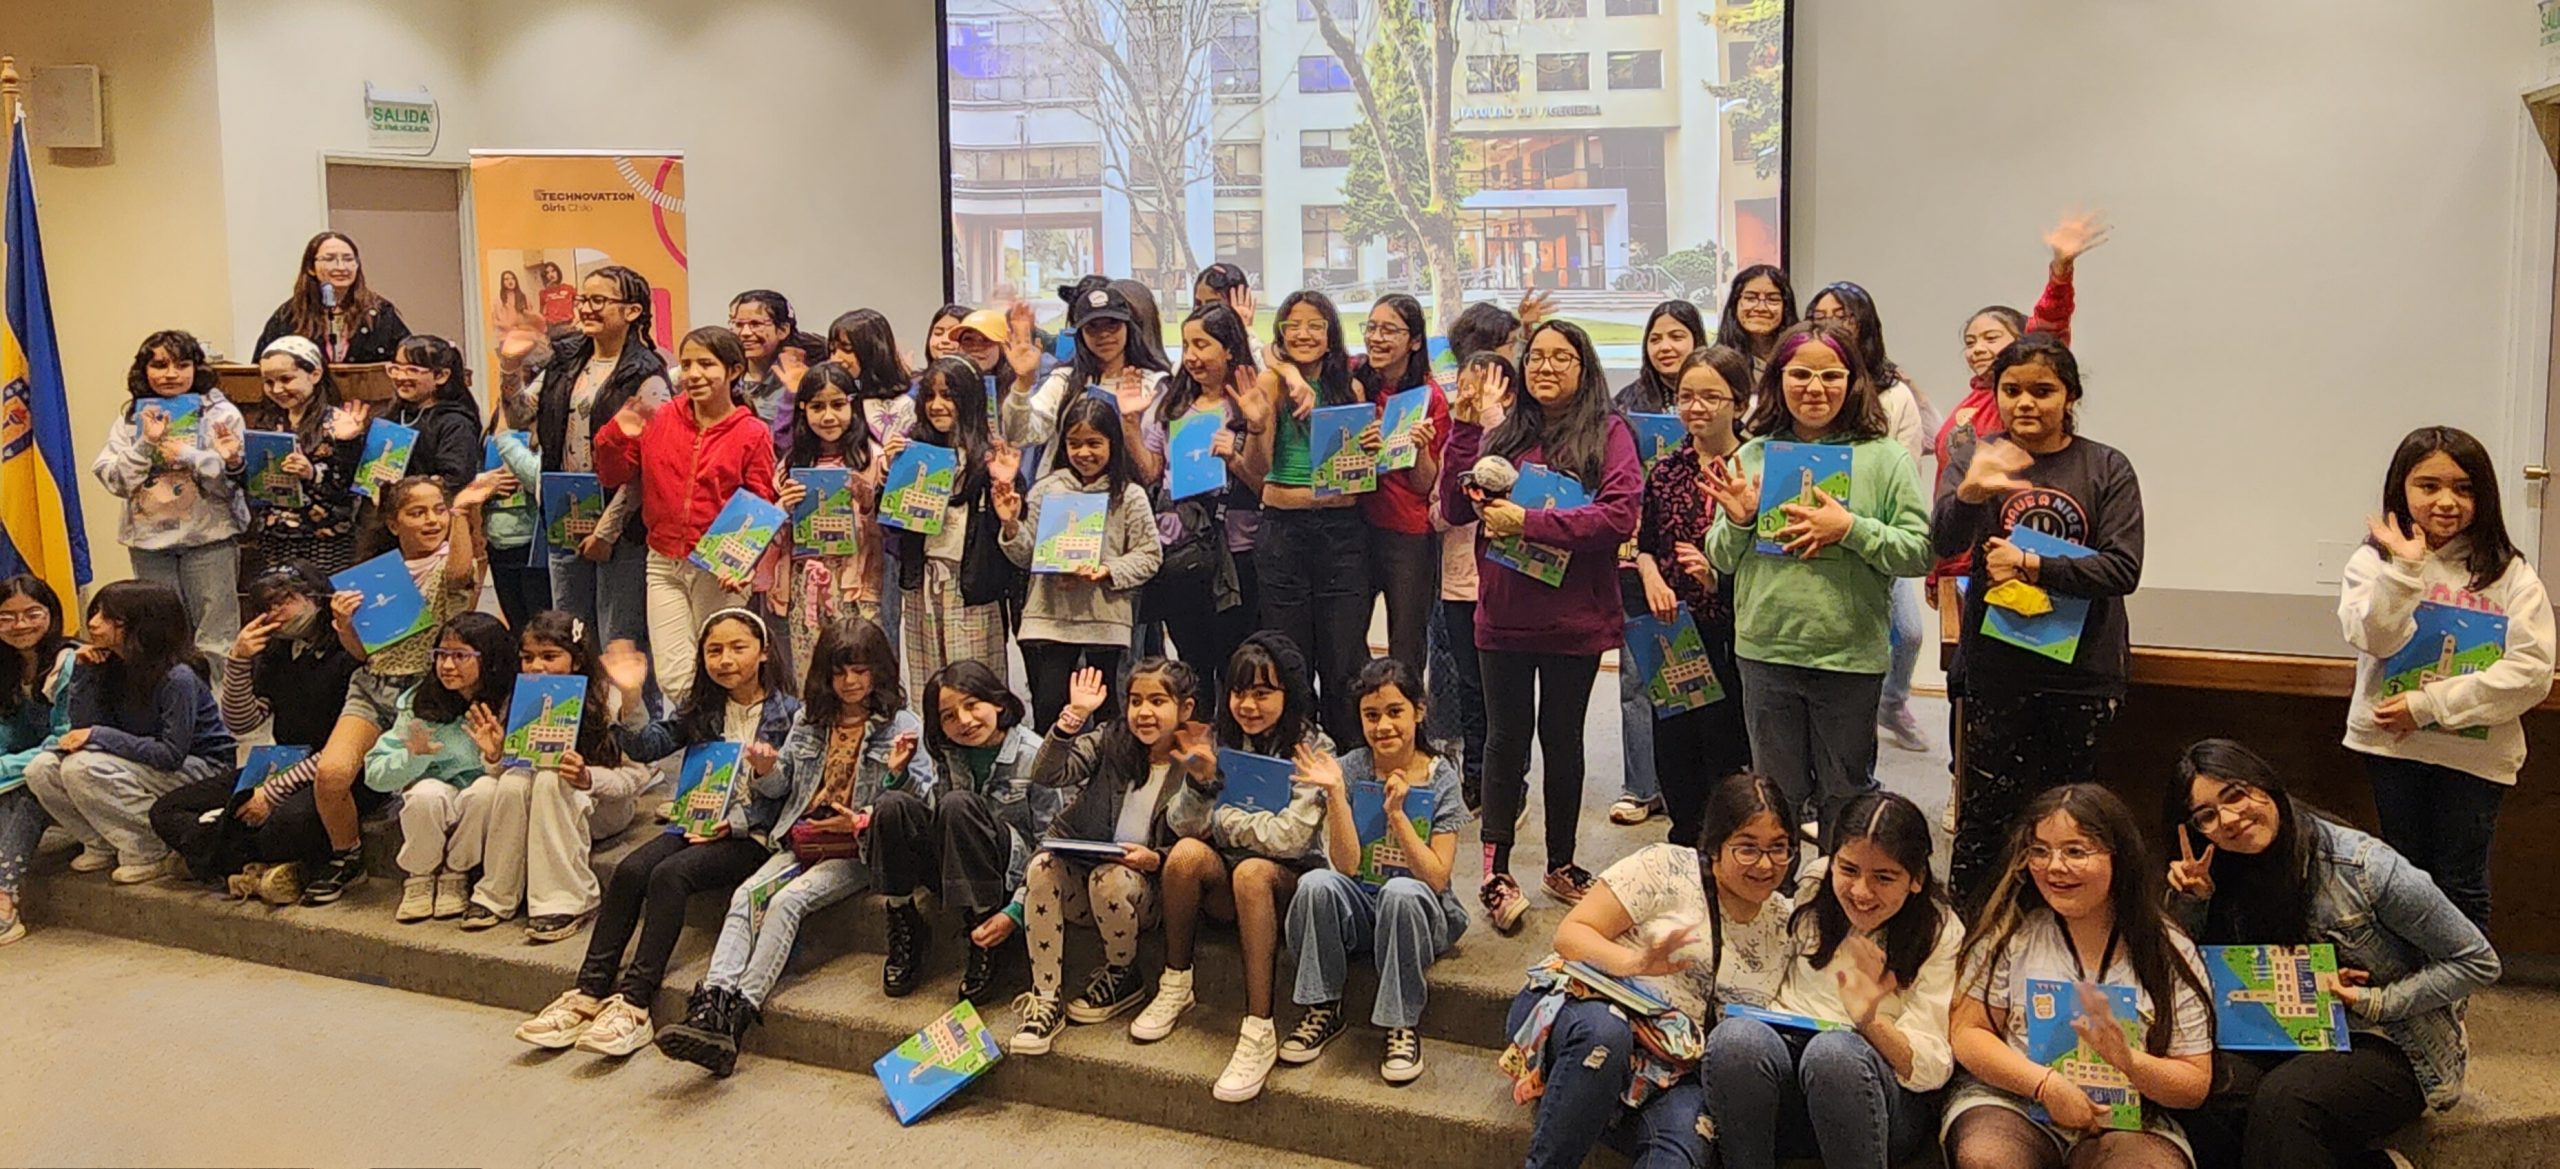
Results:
<point x="2453" y="638"/>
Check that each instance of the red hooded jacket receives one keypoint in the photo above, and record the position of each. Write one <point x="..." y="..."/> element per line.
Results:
<point x="691" y="471"/>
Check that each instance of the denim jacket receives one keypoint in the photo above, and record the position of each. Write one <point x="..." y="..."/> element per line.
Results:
<point x="41" y="722"/>
<point x="1024" y="807"/>
<point x="794" y="781"/>
<point x="2388" y="919"/>
<point x="649" y="742"/>
<point x="1093" y="811"/>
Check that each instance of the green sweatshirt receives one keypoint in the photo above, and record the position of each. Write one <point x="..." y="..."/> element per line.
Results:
<point x="1835" y="611"/>
<point x="390" y="767"/>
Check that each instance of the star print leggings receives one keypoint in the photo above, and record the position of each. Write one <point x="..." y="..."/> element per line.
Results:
<point x="1117" y="900"/>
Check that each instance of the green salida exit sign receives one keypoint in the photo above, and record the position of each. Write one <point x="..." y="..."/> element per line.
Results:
<point x="400" y="120"/>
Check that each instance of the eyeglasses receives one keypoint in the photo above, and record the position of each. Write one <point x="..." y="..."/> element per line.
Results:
<point x="1706" y="401"/>
<point x="2071" y="857"/>
<point x="1754" y="856"/>
<point x="1553" y="360"/>
<point x="1831" y="379"/>
<point x="2228" y="802"/>
<point x="405" y="369"/>
<point x="1303" y="328"/>
<point x="1762" y="299"/>
<point x="1383" y="331"/>
<point x="25" y="617"/>
<point x="739" y="326"/>
<point x="457" y="656"/>
<point x="596" y="302"/>
<point x="1827" y="317"/>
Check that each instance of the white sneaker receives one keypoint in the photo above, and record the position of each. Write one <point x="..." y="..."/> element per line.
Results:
<point x="562" y="1023"/>
<point x="93" y="862"/>
<point x="620" y="1028"/>
<point x="453" y="893"/>
<point x="167" y="866"/>
<point x="1173" y="997"/>
<point x="1257" y="1049"/>
<point x="417" y="900"/>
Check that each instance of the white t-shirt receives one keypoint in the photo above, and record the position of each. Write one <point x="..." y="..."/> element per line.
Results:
<point x="739" y="721"/>
<point x="2040" y="949"/>
<point x="1918" y="1010"/>
<point x="1138" y="807"/>
<point x="1663" y="887"/>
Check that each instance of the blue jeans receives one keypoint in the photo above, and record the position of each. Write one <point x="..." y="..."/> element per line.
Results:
<point x="1829" y="1091"/>
<point x="1457" y="689"/>
<point x="1589" y="1062"/>
<point x="1910" y="632"/>
<point x="612" y="597"/>
<point x="749" y="959"/>
<point x="1403" y="925"/>
<point x="22" y="822"/>
<point x="1813" y="731"/>
<point x="207" y="578"/>
<point x="1635" y="736"/>
<point x="2442" y="820"/>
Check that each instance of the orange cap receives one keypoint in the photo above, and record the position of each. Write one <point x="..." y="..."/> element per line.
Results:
<point x="987" y="323"/>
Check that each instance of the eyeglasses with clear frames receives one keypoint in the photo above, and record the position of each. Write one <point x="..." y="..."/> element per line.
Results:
<point x="1752" y="856"/>
<point x="2227" y="802"/>
<point x="1553" y="360"/>
<point x="457" y="656"/>
<point x="1831" y="379"/>
<point x="33" y="616"/>
<point x="1763" y="299"/>
<point x="2070" y="857"/>
<point x="1383" y="330"/>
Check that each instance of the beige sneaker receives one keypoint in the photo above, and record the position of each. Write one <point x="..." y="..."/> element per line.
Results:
<point x="562" y="1023"/>
<point x="170" y="865"/>
<point x="1257" y="1049"/>
<point x="619" y="1029"/>
<point x="1173" y="997"/>
<point x="93" y="862"/>
<point x="453" y="892"/>
<point x="281" y="884"/>
<point x="417" y="900"/>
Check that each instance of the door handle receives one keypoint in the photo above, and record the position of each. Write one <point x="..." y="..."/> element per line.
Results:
<point x="2536" y="473"/>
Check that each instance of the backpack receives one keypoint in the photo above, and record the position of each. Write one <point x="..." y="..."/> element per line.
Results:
<point x="1193" y="534"/>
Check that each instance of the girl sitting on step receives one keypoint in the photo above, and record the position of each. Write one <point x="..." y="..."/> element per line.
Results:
<point x="444" y="740"/>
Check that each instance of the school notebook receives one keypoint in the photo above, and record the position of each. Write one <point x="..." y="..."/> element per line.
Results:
<point x="1381" y="857"/>
<point x="1254" y="783"/>
<point x="1539" y="487"/>
<point x="491" y="460"/>
<point x="1083" y="850"/>
<point x="924" y="1071"/>
<point x="1342" y="465"/>
<point x="1626" y="994"/>
<point x="737" y="538"/>
<point x="185" y="413"/>
<point x="262" y="762"/>
<point x="1191" y="466"/>
<point x="1672" y="660"/>
<point x="1656" y="435"/>
<point x="2275" y="998"/>
<point x="386" y="458"/>
<point x="572" y="505"/>
<point x="1790" y="472"/>
<point x="760" y="895"/>
<point x="1396" y="448"/>
<point x="1786" y="1019"/>
<point x="919" y="488"/>
<point x="1070" y="535"/>
<point x="542" y="720"/>
<point x="2056" y="633"/>
<point x="262" y="456"/>
<point x="2450" y="641"/>
<point x="704" y="787"/>
<point x="825" y="522"/>
<point x="2052" y="1006"/>
<point x="393" y="607"/>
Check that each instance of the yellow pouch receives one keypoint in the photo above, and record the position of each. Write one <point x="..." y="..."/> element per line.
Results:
<point x="2019" y="597"/>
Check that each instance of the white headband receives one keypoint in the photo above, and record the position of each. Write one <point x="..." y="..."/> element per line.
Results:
<point x="297" y="347"/>
<point x="762" y="633"/>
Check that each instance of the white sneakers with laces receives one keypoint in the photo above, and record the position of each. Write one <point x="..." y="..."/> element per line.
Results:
<point x="562" y="1023"/>
<point x="417" y="900"/>
<point x="1173" y="998"/>
<point x="1257" y="1050"/>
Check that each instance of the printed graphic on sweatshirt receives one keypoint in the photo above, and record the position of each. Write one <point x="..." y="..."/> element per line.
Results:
<point x="2048" y="510"/>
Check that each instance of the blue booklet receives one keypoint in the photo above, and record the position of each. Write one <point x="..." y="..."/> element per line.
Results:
<point x="386" y="458"/>
<point x="919" y="488"/>
<point x="1789" y="473"/>
<point x="1254" y="783"/>
<point x="185" y="413"/>
<point x="491" y="461"/>
<point x="1082" y="850"/>
<point x="542" y="720"/>
<point x="1380" y="856"/>
<point x="2450" y="641"/>
<point x="393" y="607"/>
<point x="1190" y="466"/>
<point x="826" y="523"/>
<point x="2056" y="633"/>
<point x="2275" y="998"/>
<point x="572" y="505"/>
<point x="1070" y="535"/>
<point x="1672" y="660"/>
<point x="1341" y="465"/>
<point x="1396" y="448"/>
<point x="262" y="455"/>
<point x="1656" y="435"/>
<point x="2052" y="1006"/>
<point x="737" y="538"/>
<point x="1636" y="998"/>
<point x="263" y="761"/>
<point x="930" y="1065"/>
<point x="1786" y="1019"/>
<point x="1539" y="487"/>
<point x="703" y="787"/>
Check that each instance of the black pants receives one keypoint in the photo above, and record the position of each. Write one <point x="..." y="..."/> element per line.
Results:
<point x="647" y="892"/>
<point x="1202" y="634"/>
<point x="292" y="831"/>
<point x="2443" y="821"/>
<point x="1457" y="691"/>
<point x="953" y="845"/>
<point x="2320" y="1110"/>
<point x="2015" y="749"/>
<point x="523" y="589"/>
<point x="1692" y="752"/>
<point x="1052" y="663"/>
<point x="1406" y="570"/>
<point x="1548" y="693"/>
<point x="1314" y="566"/>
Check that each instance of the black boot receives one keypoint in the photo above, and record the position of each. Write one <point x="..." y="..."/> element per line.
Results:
<point x="980" y="974"/>
<point x="905" y="967"/>
<point x="704" y="1038"/>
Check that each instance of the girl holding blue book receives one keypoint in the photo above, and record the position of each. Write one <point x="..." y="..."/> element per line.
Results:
<point x="444" y="742"/>
<point x="1404" y="553"/>
<point x="174" y="457"/>
<point x="1208" y="609"/>
<point x="431" y="394"/>
<point x="1696" y="927"/>
<point x="1240" y="864"/>
<point x="328" y="441"/>
<point x="2453" y="637"/>
<point x="1080" y="618"/>
<point x="2076" y="916"/>
<point x="2048" y="519"/>
<point x="828" y="430"/>
<point x="1672" y="331"/>
<point x="36" y="662"/>
<point x="956" y="585"/>
<point x="1311" y="556"/>
<point x="744" y="699"/>
<point x="514" y="522"/>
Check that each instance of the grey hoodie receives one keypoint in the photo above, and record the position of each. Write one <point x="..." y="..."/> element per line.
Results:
<point x="1080" y="612"/>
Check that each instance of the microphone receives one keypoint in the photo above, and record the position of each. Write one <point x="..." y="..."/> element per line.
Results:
<point x="1491" y="478"/>
<point x="328" y="295"/>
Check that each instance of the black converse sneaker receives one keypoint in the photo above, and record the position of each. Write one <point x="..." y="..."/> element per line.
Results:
<point x="1111" y="990"/>
<point x="905" y="967"/>
<point x="343" y="869"/>
<point x="1315" y="1029"/>
<point x="1041" y="1022"/>
<point x="1404" y="1056"/>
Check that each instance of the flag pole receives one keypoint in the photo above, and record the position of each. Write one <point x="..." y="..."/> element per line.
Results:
<point x="9" y="105"/>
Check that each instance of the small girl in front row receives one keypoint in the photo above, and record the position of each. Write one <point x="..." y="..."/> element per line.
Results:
<point x="827" y="430"/>
<point x="1081" y="619"/>
<point x="540" y="828"/>
<point x="1874" y="952"/>
<point x="741" y="697"/>
<point x="445" y="739"/>
<point x="1237" y="865"/>
<point x="183" y="505"/>
<point x="2079" y="901"/>
<point x="2443" y="753"/>
<point x="1407" y="922"/>
<point x="854" y="740"/>
<point x="1699" y="927"/>
<point x="1121" y="776"/>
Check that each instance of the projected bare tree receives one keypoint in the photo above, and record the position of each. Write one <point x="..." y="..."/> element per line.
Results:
<point x="1143" y="68"/>
<point x="1404" y="82"/>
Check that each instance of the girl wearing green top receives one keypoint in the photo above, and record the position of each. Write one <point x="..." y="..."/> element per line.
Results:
<point x="1312" y="556"/>
<point x="1812" y="623"/>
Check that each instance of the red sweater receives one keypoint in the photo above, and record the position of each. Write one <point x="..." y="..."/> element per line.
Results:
<point x="1397" y="505"/>
<point x="1977" y="417"/>
<point x="690" y="472"/>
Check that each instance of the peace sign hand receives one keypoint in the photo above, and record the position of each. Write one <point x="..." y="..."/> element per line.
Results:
<point x="2191" y="875"/>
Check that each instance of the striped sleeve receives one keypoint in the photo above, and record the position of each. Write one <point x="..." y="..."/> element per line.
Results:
<point x="243" y="710"/>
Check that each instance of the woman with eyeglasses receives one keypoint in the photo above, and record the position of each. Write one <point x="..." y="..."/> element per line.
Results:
<point x="1758" y="306"/>
<point x="35" y="682"/>
<point x="1404" y="554"/>
<point x="767" y="330"/>
<point x="2257" y="867"/>
<point x="332" y="307"/>
<point x="1312" y="556"/>
<point x="2079" y="906"/>
<point x="1672" y="332"/>
<point x="431" y="394"/>
<point x="1699" y="927"/>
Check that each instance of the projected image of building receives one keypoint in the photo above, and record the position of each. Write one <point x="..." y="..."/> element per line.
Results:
<point x="1593" y="156"/>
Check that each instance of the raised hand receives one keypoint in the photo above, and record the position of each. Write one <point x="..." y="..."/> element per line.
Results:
<point x="1086" y="692"/>
<point x="630" y="419"/>
<point x="253" y="637"/>
<point x="2404" y="544"/>
<point x="347" y="423"/>
<point x="1240" y="298"/>
<point x="419" y="740"/>
<point x="1250" y="404"/>
<point x="486" y="732"/>
<point x="1994" y="471"/>
<point x="2074" y="236"/>
<point x="516" y="345"/>
<point x="1864" y="984"/>
<point x="1318" y="769"/>
<point x="902" y="751"/>
<point x="478" y="491"/>
<point x="1739" y="496"/>
<point x="1129" y="392"/>
<point x="2099" y="1029"/>
<point x="504" y="482"/>
<point x="625" y="666"/>
<point x="1021" y="347"/>
<point x="1659" y="953"/>
<point x="226" y="441"/>
<point x="1811" y="529"/>
<point x="1006" y="498"/>
<point x="1193" y="755"/>
<point x="1004" y="462"/>
<point x="791" y="364"/>
<point x="2191" y="874"/>
<point x="1535" y="306"/>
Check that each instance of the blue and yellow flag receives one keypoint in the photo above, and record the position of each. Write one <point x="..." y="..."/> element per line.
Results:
<point x="40" y="529"/>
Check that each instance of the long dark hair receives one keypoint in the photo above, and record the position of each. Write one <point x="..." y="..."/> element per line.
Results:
<point x="2136" y="892"/>
<point x="2491" y="548"/>
<point x="2263" y="898"/>
<point x="314" y="429"/>
<point x="1861" y="413"/>
<point x="706" y="706"/>
<point x="1142" y="349"/>
<point x="1332" y="376"/>
<point x="597" y="745"/>
<point x="1574" y="441"/>
<point x="1121" y="757"/>
<point x="1482" y="327"/>
<point x="1417" y="364"/>
<point x="22" y="675"/>
<point x="2046" y="350"/>
<point x="975" y="679"/>
<point x="878" y="370"/>
<point x="438" y="355"/>
<point x="638" y="362"/>
<point x="1117" y="468"/>
<point x="1729" y="330"/>
<point x="806" y="447"/>
<point x="1896" y="827"/>
<point x="1866" y="324"/>
<point x="1269" y="658"/>
<point x="1379" y="673"/>
<point x="970" y="437"/>
<point x="1651" y="392"/>
<point x="848" y="642"/>
<point x="157" y="640"/>
<point x="435" y="702"/>
<point x="182" y="346"/>
<point x="304" y="313"/>
<point x="1227" y="329"/>
<point x="1735" y="801"/>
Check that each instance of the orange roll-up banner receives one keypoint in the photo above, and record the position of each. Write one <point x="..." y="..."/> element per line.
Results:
<point x="543" y="221"/>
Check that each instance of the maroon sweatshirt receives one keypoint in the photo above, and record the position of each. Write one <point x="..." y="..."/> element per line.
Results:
<point x="1583" y="615"/>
